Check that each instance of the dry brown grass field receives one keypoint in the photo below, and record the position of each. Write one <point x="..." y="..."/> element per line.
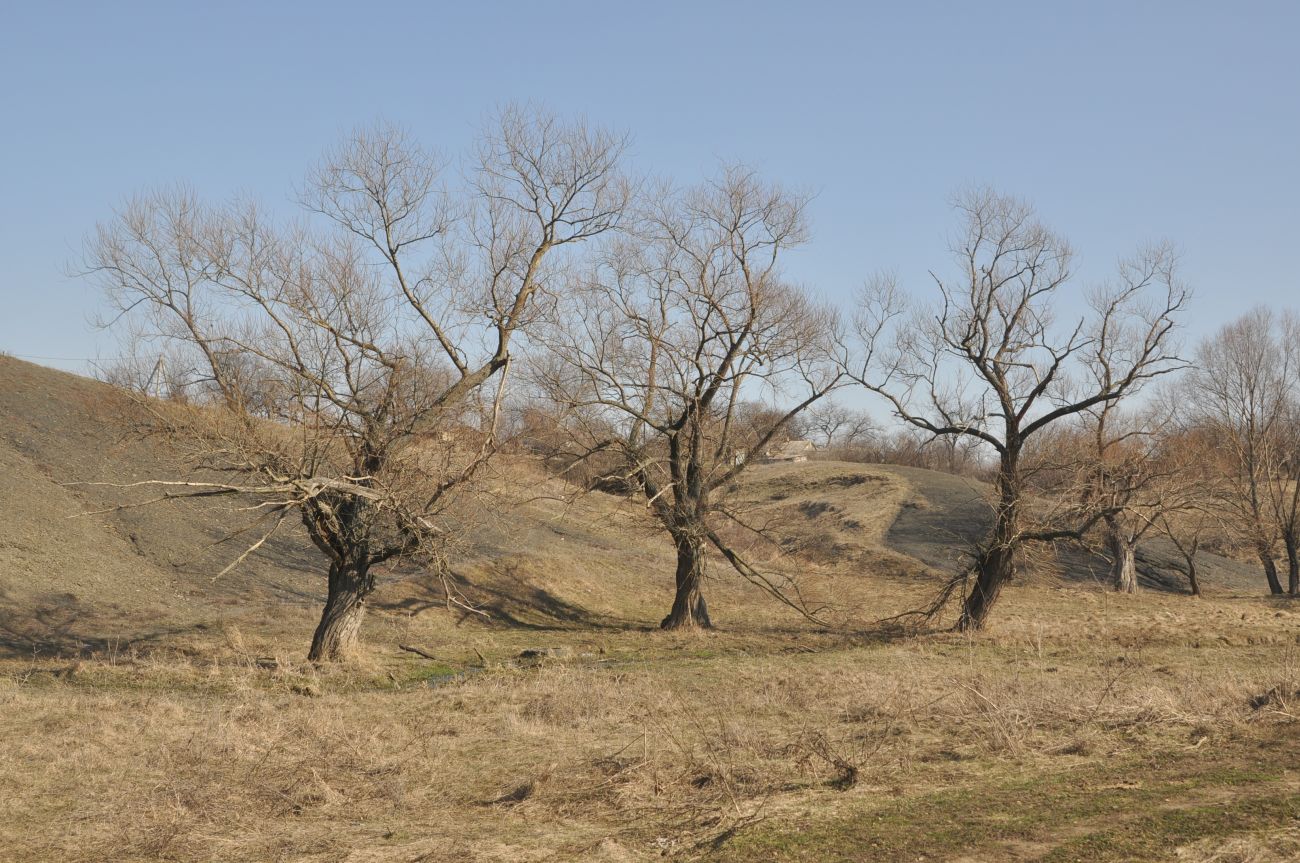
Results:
<point x="150" y="712"/>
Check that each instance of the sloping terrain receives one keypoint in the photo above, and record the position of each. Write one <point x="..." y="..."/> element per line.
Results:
<point x="69" y="578"/>
<point x="948" y="514"/>
<point x="77" y="575"/>
<point x="149" y="712"/>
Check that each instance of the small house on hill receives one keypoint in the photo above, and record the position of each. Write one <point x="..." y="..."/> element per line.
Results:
<point x="792" y="451"/>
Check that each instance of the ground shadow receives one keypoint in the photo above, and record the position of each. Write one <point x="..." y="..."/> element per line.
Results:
<point x="951" y="516"/>
<point x="508" y="597"/>
<point x="61" y="625"/>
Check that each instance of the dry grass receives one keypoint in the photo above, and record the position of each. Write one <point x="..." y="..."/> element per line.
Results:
<point x="661" y="744"/>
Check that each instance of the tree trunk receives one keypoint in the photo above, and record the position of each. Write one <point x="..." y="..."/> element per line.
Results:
<point x="689" y="609"/>
<point x="996" y="563"/>
<point x="1292" y="563"/>
<point x="993" y="569"/>
<point x="1270" y="571"/>
<point x="1192" y="579"/>
<point x="340" y="625"/>
<point x="1123" y="562"/>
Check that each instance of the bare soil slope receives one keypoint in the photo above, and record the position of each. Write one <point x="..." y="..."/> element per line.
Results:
<point x="71" y="580"/>
<point x="948" y="514"/>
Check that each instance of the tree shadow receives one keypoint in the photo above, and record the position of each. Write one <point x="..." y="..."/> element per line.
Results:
<point x="510" y="600"/>
<point x="61" y="625"/>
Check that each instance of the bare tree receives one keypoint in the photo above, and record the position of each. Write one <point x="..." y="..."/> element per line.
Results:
<point x="661" y="354"/>
<point x="1143" y="475"/>
<point x="1242" y="394"/>
<point x="1198" y="517"/>
<point x="352" y="359"/>
<point x="1284" y="490"/>
<point x="1124" y="478"/>
<point x="1186" y="529"/>
<point x="989" y="361"/>
<point x="831" y="424"/>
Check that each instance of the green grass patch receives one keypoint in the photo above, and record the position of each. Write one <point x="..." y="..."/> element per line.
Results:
<point x="1129" y="811"/>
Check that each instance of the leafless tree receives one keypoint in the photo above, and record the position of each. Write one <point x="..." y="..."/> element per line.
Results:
<point x="989" y="361"/>
<point x="1123" y="477"/>
<point x="831" y="424"/>
<point x="662" y="353"/>
<point x="1198" y="516"/>
<point x="349" y="369"/>
<point x="1284" y="490"/>
<point x="1186" y="529"/>
<point x="1142" y="475"/>
<point x="1242" y="394"/>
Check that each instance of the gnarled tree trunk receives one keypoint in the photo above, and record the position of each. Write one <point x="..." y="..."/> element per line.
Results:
<point x="996" y="562"/>
<point x="1123" y="558"/>
<point x="994" y="568"/>
<point x="339" y="630"/>
<point x="689" y="609"/>
<point x="1270" y="570"/>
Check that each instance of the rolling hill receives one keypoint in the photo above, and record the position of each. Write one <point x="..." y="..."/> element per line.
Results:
<point x="76" y="575"/>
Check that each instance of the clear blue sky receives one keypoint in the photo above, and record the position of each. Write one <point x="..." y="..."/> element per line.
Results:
<point x="1122" y="121"/>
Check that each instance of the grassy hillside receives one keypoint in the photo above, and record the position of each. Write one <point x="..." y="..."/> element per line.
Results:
<point x="148" y="712"/>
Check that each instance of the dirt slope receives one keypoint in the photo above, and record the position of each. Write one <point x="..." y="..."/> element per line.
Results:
<point x="949" y="513"/>
<point x="67" y="577"/>
<point x="72" y="581"/>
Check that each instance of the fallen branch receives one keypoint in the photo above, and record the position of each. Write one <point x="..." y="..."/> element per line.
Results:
<point x="764" y="583"/>
<point x="418" y="652"/>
